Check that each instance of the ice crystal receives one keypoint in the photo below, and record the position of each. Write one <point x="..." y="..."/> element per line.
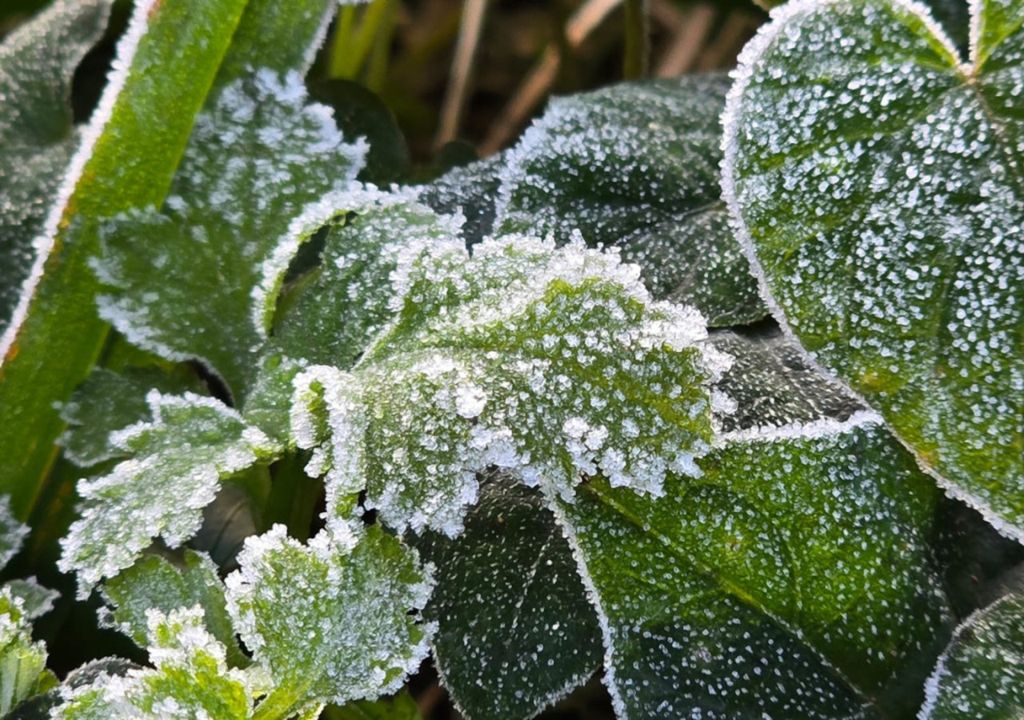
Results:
<point x="333" y="620"/>
<point x="876" y="181"/>
<point x="173" y="472"/>
<point x="546" y="362"/>
<point x="22" y="661"/>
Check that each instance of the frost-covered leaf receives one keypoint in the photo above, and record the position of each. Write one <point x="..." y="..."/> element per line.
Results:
<point x="37" y="136"/>
<point x="981" y="673"/>
<point x="636" y="166"/>
<point x="36" y="600"/>
<point x="771" y="384"/>
<point x="39" y="707"/>
<point x="190" y="679"/>
<point x="546" y="362"/>
<point x="258" y="155"/>
<point x="350" y="301"/>
<point x="157" y="583"/>
<point x="877" y="178"/>
<point x="22" y="661"/>
<point x="471" y="190"/>
<point x="794" y="579"/>
<point x="176" y="462"/>
<point x="108" y="401"/>
<point x="334" y="620"/>
<point x="515" y="631"/>
<point x="12" y="532"/>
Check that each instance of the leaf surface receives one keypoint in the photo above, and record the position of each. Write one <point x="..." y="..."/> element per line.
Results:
<point x="877" y="179"/>
<point x="636" y="166"/>
<point x="980" y="675"/>
<point x="794" y="579"/>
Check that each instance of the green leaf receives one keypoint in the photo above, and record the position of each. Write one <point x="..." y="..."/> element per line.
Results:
<point x="470" y="189"/>
<point x="12" y="532"/>
<point x="258" y="155"/>
<point x="40" y="706"/>
<point x="399" y="707"/>
<point x="635" y="166"/>
<point x="332" y="621"/>
<point x="877" y="179"/>
<point x="190" y="679"/>
<point x="980" y="674"/>
<point x="127" y="158"/>
<point x="546" y="362"/>
<point x="794" y="579"/>
<point x="108" y="401"/>
<point x="35" y="599"/>
<point x="22" y="661"/>
<point x="156" y="583"/>
<point x="37" y="136"/>
<point x="177" y="461"/>
<point x="515" y="630"/>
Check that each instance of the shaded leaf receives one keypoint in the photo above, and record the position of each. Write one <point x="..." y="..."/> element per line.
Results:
<point x="515" y="631"/>
<point x="636" y="166"/>
<point x="877" y="179"/>
<point x="471" y="190"/>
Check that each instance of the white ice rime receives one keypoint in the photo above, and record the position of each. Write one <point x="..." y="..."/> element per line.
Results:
<point x="546" y="362"/>
<point x="177" y="460"/>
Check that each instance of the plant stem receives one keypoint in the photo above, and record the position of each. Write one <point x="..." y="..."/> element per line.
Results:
<point x="637" y="40"/>
<point x="341" y="40"/>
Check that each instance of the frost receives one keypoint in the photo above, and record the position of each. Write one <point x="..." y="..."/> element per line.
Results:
<point x="176" y="462"/>
<point x="22" y="661"/>
<point x="334" y="620"/>
<point x="257" y="158"/>
<point x="794" y="580"/>
<point x="470" y="190"/>
<point x="12" y="532"/>
<point x="981" y="675"/>
<point x="190" y="681"/>
<point x="876" y="183"/>
<point x="37" y="62"/>
<point x="545" y="362"/>
<point x="636" y="166"/>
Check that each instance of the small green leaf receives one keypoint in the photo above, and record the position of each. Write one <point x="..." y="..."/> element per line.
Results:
<point x="399" y="707"/>
<point x="334" y="620"/>
<point x="36" y="600"/>
<point x="12" y="532"/>
<point x="108" y="401"/>
<point x="877" y="178"/>
<point x="176" y="462"/>
<point x="980" y="676"/>
<point x="636" y="166"/>
<point x="22" y="661"/>
<point x="794" y="579"/>
<point x="156" y="583"/>
<point x="37" y="137"/>
<point x="515" y="631"/>
<point x="547" y="362"/>
<point x="258" y="155"/>
<point x="190" y="679"/>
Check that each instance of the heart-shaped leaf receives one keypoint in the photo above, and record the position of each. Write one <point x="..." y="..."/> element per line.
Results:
<point x="878" y="184"/>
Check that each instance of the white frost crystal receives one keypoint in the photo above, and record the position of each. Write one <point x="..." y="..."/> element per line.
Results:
<point x="546" y="362"/>
<point x="177" y="461"/>
<point x="331" y="620"/>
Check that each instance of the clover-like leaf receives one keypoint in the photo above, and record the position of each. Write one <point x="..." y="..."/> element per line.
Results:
<point x="22" y="661"/>
<point x="157" y="583"/>
<point x="546" y="362"/>
<point x="877" y="182"/>
<point x="636" y="166"/>
<point x="190" y="679"/>
<point x="258" y="155"/>
<point x="515" y="630"/>
<point x="980" y="675"/>
<point x="37" y="135"/>
<point x="334" y="620"/>
<point x="794" y="579"/>
<point x="177" y="460"/>
<point x="109" y="401"/>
